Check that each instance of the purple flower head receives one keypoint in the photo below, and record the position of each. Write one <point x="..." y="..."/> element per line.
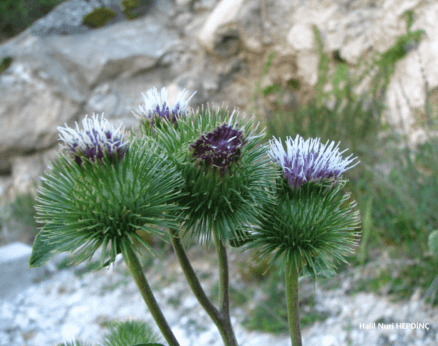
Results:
<point x="308" y="160"/>
<point x="97" y="139"/>
<point x="157" y="105"/>
<point x="219" y="148"/>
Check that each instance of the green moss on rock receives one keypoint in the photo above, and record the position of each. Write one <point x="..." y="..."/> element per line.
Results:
<point x="99" y="17"/>
<point x="128" y="7"/>
<point x="6" y="62"/>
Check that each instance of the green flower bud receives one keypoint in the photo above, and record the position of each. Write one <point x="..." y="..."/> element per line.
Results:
<point x="225" y="170"/>
<point x="310" y="224"/>
<point x="105" y="201"/>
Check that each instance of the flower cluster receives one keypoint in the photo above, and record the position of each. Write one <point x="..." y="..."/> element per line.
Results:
<point x="218" y="148"/>
<point x="306" y="161"/>
<point x="169" y="178"/>
<point x="156" y="106"/>
<point x="96" y="139"/>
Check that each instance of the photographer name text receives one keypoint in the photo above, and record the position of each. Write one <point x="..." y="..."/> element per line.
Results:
<point x="415" y="325"/>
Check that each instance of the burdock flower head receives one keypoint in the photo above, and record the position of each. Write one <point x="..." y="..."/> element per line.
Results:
<point x="156" y="106"/>
<point x="219" y="148"/>
<point x="310" y="223"/>
<point x="308" y="161"/>
<point x="83" y="205"/>
<point x="224" y="169"/>
<point x="97" y="139"/>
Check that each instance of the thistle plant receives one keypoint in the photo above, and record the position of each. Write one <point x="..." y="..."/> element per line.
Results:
<point x="201" y="175"/>
<point x="129" y="332"/>
<point x="225" y="174"/>
<point x="309" y="225"/>
<point x="104" y="192"/>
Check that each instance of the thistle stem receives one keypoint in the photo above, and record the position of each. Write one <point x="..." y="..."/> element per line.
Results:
<point x="136" y="270"/>
<point x="224" y="283"/>
<point x="224" y="328"/>
<point x="293" y="312"/>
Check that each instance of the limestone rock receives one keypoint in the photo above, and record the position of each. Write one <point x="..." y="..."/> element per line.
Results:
<point x="66" y="18"/>
<point x="61" y="71"/>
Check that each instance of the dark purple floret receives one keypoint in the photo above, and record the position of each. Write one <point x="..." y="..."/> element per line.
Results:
<point x="219" y="148"/>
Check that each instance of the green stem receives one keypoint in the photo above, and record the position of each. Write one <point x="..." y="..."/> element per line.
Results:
<point x="216" y="316"/>
<point x="136" y="270"/>
<point x="224" y="291"/>
<point x="293" y="312"/>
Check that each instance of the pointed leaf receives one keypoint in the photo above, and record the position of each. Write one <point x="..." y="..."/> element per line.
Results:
<point x="43" y="250"/>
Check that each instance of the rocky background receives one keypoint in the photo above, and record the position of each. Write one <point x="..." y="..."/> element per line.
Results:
<point x="59" y="69"/>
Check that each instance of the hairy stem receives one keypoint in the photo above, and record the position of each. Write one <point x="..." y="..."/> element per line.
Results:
<point x="293" y="312"/>
<point x="136" y="270"/>
<point x="216" y="316"/>
<point x="224" y="290"/>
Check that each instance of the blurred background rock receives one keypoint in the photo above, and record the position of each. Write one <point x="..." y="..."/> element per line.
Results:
<point x="286" y="62"/>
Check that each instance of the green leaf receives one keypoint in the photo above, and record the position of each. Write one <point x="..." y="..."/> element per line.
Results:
<point x="148" y="345"/>
<point x="43" y="250"/>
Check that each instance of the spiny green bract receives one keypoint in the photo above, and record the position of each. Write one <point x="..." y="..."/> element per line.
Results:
<point x="74" y="343"/>
<point x="225" y="203"/>
<point x="311" y="226"/>
<point x="130" y="333"/>
<point x="99" y="17"/>
<point x="104" y="204"/>
<point x="133" y="332"/>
